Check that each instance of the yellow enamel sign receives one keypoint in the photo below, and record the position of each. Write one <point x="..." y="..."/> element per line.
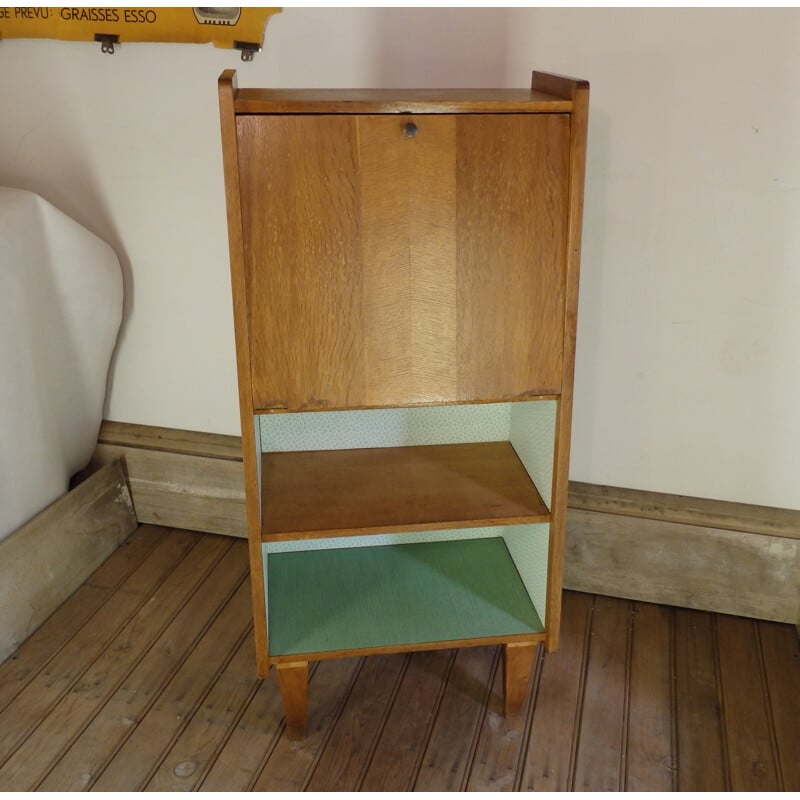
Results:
<point x="242" y="28"/>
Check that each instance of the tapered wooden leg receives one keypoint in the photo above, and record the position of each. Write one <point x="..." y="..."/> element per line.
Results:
<point x="517" y="667"/>
<point x="293" y="683"/>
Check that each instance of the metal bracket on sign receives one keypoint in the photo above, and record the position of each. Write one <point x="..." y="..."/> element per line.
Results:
<point x="248" y="49"/>
<point x="108" y="41"/>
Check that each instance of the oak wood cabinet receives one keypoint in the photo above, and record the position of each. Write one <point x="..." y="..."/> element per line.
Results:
<point x="405" y="271"/>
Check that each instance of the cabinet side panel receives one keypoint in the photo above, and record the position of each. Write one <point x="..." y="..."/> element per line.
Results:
<point x="251" y="440"/>
<point x="532" y="434"/>
<point x="300" y="200"/>
<point x="512" y="194"/>
<point x="408" y="258"/>
<point x="558" y="521"/>
<point x="528" y="546"/>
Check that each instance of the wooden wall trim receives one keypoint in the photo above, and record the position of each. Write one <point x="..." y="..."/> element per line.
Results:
<point x="46" y="559"/>
<point x="177" y="478"/>
<point x="689" y="510"/>
<point x="171" y="440"/>
<point x="705" y="554"/>
<point x="732" y="572"/>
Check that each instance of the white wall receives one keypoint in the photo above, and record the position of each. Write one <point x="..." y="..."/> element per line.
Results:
<point x="688" y="374"/>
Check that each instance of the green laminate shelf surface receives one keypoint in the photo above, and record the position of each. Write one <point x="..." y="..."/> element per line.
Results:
<point x="395" y="595"/>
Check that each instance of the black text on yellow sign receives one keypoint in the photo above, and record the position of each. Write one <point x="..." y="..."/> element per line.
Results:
<point x="225" y="27"/>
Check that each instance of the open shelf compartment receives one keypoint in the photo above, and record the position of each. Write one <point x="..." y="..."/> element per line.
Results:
<point x="388" y="489"/>
<point x="321" y="601"/>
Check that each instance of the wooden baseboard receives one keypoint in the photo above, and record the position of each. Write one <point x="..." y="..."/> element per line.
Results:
<point x="180" y="479"/>
<point x="688" y="510"/>
<point x="705" y="554"/>
<point x="745" y="574"/>
<point x="685" y="551"/>
<point x="46" y="559"/>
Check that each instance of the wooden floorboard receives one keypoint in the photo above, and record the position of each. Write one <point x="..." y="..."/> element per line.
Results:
<point x="46" y="642"/>
<point x="153" y="675"/>
<point x="602" y="737"/>
<point x="145" y="679"/>
<point x="449" y="752"/>
<point x="501" y="741"/>
<point x="347" y="753"/>
<point x="780" y="648"/>
<point x="97" y="684"/>
<point x="702" y="762"/>
<point x="30" y="708"/>
<point x="549" y="763"/>
<point x="649" y="762"/>
<point x="399" y="749"/>
<point x="749" y="731"/>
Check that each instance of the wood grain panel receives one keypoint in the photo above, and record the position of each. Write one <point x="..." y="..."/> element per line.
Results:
<point x="384" y="161"/>
<point x="511" y="205"/>
<point x="89" y="694"/>
<point x="518" y="660"/>
<point x="550" y="760"/>
<point x="780" y="649"/>
<point x="649" y="765"/>
<point x="398" y="752"/>
<point x="251" y="444"/>
<point x="383" y="489"/>
<point x="348" y="753"/>
<point x="293" y="683"/>
<point x="501" y="743"/>
<point x="434" y="252"/>
<point x="702" y="759"/>
<point x="291" y="764"/>
<point x="602" y="744"/>
<point x="250" y="742"/>
<point x="408" y="251"/>
<point x="110" y="727"/>
<point x="197" y="748"/>
<point x="578" y="92"/>
<point x="752" y="759"/>
<point x="163" y="719"/>
<point x="300" y="212"/>
<point x="445" y="766"/>
<point x="361" y="243"/>
<point x="27" y="710"/>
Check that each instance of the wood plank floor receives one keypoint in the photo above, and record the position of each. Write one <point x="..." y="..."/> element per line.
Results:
<point x="143" y="679"/>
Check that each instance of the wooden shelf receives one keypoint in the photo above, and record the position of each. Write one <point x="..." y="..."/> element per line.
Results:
<point x="395" y="489"/>
<point x="326" y="601"/>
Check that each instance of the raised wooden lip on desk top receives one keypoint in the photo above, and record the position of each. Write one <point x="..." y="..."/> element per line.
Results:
<point x="398" y="101"/>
